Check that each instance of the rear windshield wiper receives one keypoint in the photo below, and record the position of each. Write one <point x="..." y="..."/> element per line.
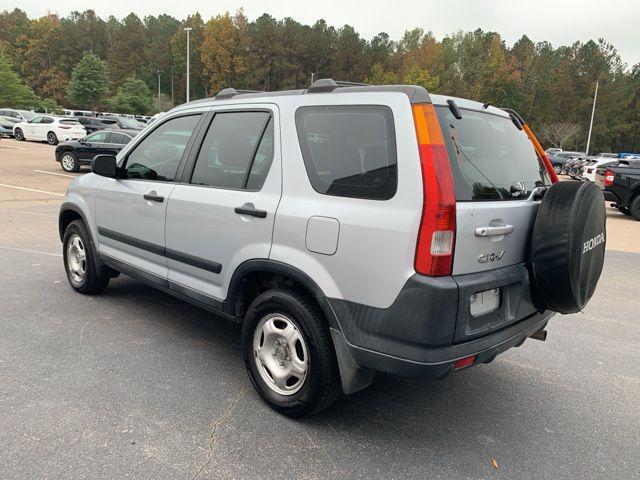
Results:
<point x="460" y="151"/>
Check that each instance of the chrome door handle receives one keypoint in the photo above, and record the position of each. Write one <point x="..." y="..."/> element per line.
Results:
<point x="489" y="231"/>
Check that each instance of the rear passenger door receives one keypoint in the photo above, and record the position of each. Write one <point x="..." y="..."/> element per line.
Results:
<point x="223" y="211"/>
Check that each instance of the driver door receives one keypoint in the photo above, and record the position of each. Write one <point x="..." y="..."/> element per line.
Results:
<point x="131" y="209"/>
<point x="29" y="129"/>
<point x="93" y="145"/>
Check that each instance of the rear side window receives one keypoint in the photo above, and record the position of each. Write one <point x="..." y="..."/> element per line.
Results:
<point x="236" y="152"/>
<point x="490" y="158"/>
<point x="118" y="138"/>
<point x="349" y="151"/>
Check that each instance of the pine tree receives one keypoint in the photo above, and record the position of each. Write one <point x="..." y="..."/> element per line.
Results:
<point x="88" y="84"/>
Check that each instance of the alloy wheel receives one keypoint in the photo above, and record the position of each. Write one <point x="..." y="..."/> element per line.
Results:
<point x="76" y="258"/>
<point x="68" y="162"/>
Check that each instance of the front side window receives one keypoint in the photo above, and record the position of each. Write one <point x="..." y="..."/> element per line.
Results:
<point x="236" y="152"/>
<point x="99" y="137"/>
<point x="36" y="120"/>
<point x="158" y="155"/>
<point x="349" y="151"/>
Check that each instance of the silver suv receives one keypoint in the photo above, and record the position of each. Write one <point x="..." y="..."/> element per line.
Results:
<point x="350" y="229"/>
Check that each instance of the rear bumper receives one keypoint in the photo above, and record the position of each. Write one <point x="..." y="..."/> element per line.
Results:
<point x="429" y="326"/>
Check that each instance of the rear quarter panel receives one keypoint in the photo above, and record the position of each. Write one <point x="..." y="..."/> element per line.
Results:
<point x="377" y="239"/>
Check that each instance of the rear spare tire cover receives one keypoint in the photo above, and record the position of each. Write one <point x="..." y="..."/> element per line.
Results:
<point x="567" y="246"/>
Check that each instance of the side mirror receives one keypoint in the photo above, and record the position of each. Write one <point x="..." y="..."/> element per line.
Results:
<point x="105" y="166"/>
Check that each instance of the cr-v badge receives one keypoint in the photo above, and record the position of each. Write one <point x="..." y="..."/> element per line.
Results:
<point x="491" y="257"/>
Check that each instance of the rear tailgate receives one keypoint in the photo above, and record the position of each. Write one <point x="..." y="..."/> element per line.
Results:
<point x="496" y="172"/>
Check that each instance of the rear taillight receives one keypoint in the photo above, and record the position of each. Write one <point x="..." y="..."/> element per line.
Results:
<point x="436" y="236"/>
<point x="608" y="178"/>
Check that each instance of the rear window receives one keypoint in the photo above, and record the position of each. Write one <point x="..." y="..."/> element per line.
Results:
<point x="349" y="151"/>
<point x="69" y="121"/>
<point x="490" y="158"/>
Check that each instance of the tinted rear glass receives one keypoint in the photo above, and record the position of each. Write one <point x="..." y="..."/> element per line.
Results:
<point x="69" y="121"/>
<point x="490" y="158"/>
<point x="349" y="150"/>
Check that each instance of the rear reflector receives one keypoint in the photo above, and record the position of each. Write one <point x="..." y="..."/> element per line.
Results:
<point x="434" y="250"/>
<point x="464" y="362"/>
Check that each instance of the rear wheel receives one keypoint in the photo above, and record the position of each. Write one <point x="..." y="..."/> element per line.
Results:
<point x="624" y="210"/>
<point x="288" y="353"/>
<point x="79" y="261"/>
<point x="52" y="138"/>
<point x="634" y="208"/>
<point x="18" y="134"/>
<point x="69" y="162"/>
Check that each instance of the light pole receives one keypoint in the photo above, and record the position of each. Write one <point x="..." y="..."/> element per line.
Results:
<point x="158" y="84"/>
<point x="593" y="111"/>
<point x="187" y="29"/>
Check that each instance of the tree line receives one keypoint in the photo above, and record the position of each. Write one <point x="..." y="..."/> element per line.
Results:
<point x="83" y="61"/>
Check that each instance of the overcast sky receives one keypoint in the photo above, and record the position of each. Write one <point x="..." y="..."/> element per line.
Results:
<point x="559" y="21"/>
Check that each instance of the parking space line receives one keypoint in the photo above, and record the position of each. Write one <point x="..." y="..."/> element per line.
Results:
<point x="32" y="190"/>
<point x="12" y="146"/>
<point x="27" y="250"/>
<point x="55" y="173"/>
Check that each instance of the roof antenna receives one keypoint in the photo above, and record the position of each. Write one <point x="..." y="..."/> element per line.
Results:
<point x="486" y="105"/>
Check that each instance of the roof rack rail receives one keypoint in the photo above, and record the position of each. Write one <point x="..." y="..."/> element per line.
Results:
<point x="232" y="92"/>
<point x="324" y="85"/>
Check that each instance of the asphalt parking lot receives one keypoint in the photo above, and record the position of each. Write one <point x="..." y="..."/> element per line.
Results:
<point x="136" y="384"/>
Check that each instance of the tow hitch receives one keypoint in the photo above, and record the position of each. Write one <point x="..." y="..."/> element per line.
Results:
<point x="539" y="335"/>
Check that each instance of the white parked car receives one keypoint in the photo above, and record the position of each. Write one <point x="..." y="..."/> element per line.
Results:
<point x="589" y="170"/>
<point x="50" y="129"/>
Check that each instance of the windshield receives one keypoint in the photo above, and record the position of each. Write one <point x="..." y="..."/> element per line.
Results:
<point x="490" y="158"/>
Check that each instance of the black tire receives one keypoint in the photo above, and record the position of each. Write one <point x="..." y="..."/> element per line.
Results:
<point x="568" y="246"/>
<point x="557" y="169"/>
<point x="69" y="164"/>
<point x="624" y="210"/>
<point x="52" y="138"/>
<point x="93" y="281"/>
<point x="18" y="135"/>
<point x="321" y="385"/>
<point x="634" y="208"/>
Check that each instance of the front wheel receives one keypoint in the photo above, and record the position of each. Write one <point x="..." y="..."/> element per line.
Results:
<point x="288" y="353"/>
<point x="52" y="138"/>
<point x="18" y="135"/>
<point x="69" y="162"/>
<point x="79" y="261"/>
<point x="557" y="169"/>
